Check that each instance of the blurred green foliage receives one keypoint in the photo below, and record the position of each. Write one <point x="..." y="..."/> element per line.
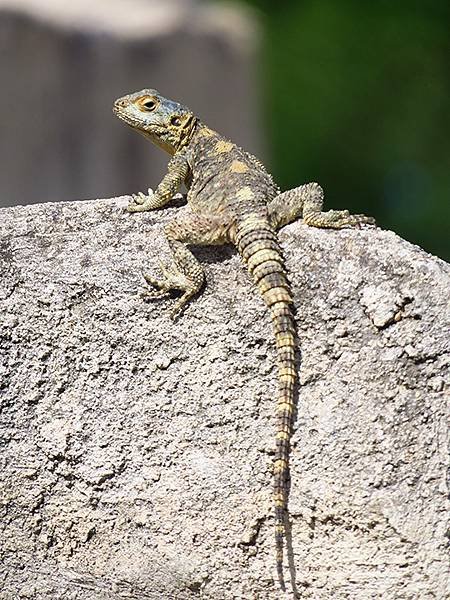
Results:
<point x="357" y="97"/>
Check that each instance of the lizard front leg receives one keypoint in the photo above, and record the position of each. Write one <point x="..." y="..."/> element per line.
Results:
<point x="307" y="201"/>
<point x="178" y="170"/>
<point x="186" y="273"/>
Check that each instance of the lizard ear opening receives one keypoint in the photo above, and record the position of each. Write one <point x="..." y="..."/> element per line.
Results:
<point x="175" y="121"/>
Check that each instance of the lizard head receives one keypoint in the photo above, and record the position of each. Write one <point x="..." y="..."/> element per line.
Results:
<point x="167" y="124"/>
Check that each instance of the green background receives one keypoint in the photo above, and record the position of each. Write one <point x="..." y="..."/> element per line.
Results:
<point x="356" y="96"/>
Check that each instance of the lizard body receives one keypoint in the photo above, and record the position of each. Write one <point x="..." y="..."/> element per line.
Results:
<point x="233" y="200"/>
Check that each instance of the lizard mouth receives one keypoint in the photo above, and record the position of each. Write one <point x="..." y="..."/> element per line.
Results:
<point x="135" y="122"/>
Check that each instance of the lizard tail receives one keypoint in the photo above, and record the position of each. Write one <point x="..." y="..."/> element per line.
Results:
<point x="258" y="245"/>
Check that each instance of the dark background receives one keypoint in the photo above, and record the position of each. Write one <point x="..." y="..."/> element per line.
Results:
<point x="357" y="97"/>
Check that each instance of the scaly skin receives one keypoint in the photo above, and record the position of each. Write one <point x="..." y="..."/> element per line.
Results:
<point x="233" y="200"/>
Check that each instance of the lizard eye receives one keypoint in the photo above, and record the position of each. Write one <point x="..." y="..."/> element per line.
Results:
<point x="148" y="104"/>
<point x="176" y="121"/>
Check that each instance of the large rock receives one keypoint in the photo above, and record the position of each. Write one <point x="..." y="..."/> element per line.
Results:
<point x="137" y="452"/>
<point x="62" y="64"/>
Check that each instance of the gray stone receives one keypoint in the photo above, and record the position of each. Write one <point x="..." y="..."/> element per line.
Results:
<point x="62" y="64"/>
<point x="136" y="453"/>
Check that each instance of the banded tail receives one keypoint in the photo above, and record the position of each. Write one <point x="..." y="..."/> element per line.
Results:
<point x="258" y="245"/>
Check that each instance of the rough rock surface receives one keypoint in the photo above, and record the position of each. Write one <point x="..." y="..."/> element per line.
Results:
<point x="137" y="452"/>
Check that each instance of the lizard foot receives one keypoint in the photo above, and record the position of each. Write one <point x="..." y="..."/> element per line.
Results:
<point x="173" y="280"/>
<point x="141" y="202"/>
<point x="337" y="219"/>
<point x="358" y="220"/>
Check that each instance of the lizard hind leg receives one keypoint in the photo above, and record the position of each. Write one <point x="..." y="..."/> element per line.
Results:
<point x="185" y="273"/>
<point x="288" y="206"/>
<point x="307" y="201"/>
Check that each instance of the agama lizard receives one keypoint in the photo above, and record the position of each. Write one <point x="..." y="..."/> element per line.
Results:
<point x="233" y="200"/>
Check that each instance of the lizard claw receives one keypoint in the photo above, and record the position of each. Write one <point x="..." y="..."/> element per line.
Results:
<point x="357" y="221"/>
<point x="364" y="220"/>
<point x="153" y="294"/>
<point x="161" y="288"/>
<point x="156" y="283"/>
<point x="180" y="304"/>
<point x="139" y="198"/>
<point x="337" y="219"/>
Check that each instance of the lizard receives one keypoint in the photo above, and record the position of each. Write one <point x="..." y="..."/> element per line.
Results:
<point x="232" y="200"/>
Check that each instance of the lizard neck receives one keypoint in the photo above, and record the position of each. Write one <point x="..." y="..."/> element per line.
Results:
<point x="202" y="131"/>
<point x="187" y="133"/>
